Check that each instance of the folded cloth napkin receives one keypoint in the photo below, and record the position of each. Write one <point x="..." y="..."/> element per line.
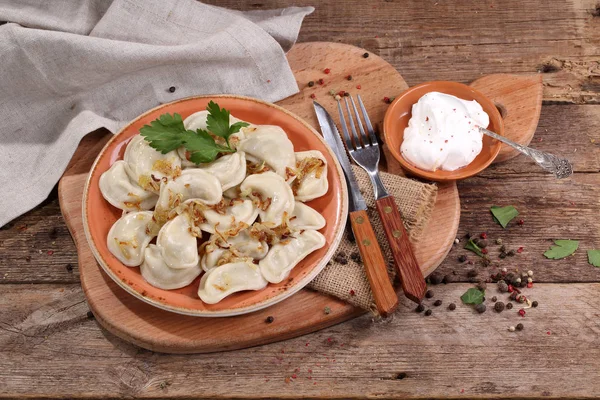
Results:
<point x="69" y="67"/>
<point x="344" y="276"/>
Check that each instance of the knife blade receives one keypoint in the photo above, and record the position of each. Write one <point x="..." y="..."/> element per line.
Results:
<point x="384" y="294"/>
<point x="333" y="139"/>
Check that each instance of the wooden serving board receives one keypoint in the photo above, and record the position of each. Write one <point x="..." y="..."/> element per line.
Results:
<point x="162" y="331"/>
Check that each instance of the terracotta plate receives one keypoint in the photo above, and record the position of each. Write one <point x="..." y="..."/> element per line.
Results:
<point x="400" y="111"/>
<point x="99" y="215"/>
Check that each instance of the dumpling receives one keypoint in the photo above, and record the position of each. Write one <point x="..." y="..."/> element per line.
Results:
<point x="129" y="237"/>
<point x="274" y="195"/>
<point x="220" y="282"/>
<point x="198" y="121"/>
<point x="240" y="246"/>
<point x="284" y="256"/>
<point x="311" y="175"/>
<point x="147" y="167"/>
<point x="229" y="169"/>
<point x="192" y="184"/>
<point x="177" y="243"/>
<point x="157" y="273"/>
<point x="118" y="189"/>
<point x="305" y="217"/>
<point x="240" y="211"/>
<point x="270" y="144"/>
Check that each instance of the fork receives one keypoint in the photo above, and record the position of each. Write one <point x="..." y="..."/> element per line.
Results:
<point x="364" y="150"/>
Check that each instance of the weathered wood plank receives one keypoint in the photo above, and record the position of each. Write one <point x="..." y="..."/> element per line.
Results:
<point x="50" y="348"/>
<point x="462" y="40"/>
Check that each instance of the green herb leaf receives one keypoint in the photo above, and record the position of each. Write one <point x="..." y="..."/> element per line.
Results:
<point x="164" y="133"/>
<point x="594" y="257"/>
<point x="202" y="146"/>
<point x="217" y="122"/>
<point x="563" y="248"/>
<point x="474" y="248"/>
<point x="473" y="296"/>
<point x="503" y="215"/>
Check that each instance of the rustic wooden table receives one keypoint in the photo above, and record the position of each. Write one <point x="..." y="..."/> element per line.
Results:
<point x="50" y="347"/>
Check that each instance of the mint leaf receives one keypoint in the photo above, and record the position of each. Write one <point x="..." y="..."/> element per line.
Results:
<point x="474" y="248"/>
<point x="594" y="257"/>
<point x="202" y="147"/>
<point x="562" y="249"/>
<point x="217" y="122"/>
<point x="503" y="215"/>
<point x="164" y="134"/>
<point x="473" y="296"/>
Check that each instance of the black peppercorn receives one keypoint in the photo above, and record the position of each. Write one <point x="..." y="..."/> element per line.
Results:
<point x="472" y="273"/>
<point x="509" y="306"/>
<point x="429" y="294"/>
<point x="269" y="319"/>
<point x="481" y="285"/>
<point x="451" y="306"/>
<point x="448" y="278"/>
<point x="480" y="308"/>
<point x="499" y="306"/>
<point x="511" y="253"/>
<point x="519" y="327"/>
<point x="462" y="258"/>
<point x="428" y="312"/>
<point x="90" y="315"/>
<point x="502" y="287"/>
<point x="69" y="267"/>
<point x="494" y="299"/>
<point x="172" y="89"/>
<point x="502" y="255"/>
<point x="437" y="303"/>
<point x="436" y="278"/>
<point x="534" y="304"/>
<point x="311" y="84"/>
<point x="366" y="55"/>
<point x="420" y="308"/>
<point x="483" y="243"/>
<point x="503" y="248"/>
<point x="349" y="77"/>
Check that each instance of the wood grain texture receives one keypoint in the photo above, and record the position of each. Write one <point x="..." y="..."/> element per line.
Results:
<point x="407" y="267"/>
<point x="384" y="295"/>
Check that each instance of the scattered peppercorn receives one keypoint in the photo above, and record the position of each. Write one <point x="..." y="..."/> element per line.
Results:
<point x="172" y="89"/>
<point x="503" y="248"/>
<point x="437" y="303"/>
<point x="90" y="315"/>
<point x="472" y="273"/>
<point x="484" y="251"/>
<point x="269" y="319"/>
<point x="387" y="100"/>
<point x="313" y="96"/>
<point x="494" y="299"/>
<point x="428" y="312"/>
<point x="483" y="235"/>
<point x="448" y="278"/>
<point x="509" y="306"/>
<point x="485" y="261"/>
<point x="519" y="327"/>
<point x="27" y="258"/>
<point x="534" y="304"/>
<point x="520" y="250"/>
<point x="352" y="292"/>
<point x="502" y="287"/>
<point x="462" y="258"/>
<point x="483" y="243"/>
<point x="502" y="255"/>
<point x="358" y="87"/>
<point x="341" y="259"/>
<point x="521" y="222"/>
<point x="420" y="308"/>
<point x="342" y="93"/>
<point x="311" y="83"/>
<point x="498" y="241"/>
<point x="366" y="55"/>
<point x="355" y="256"/>
<point x="429" y="294"/>
<point x="481" y="285"/>
<point x="522" y="312"/>
<point x="349" y="77"/>
<point x="69" y="267"/>
<point x="513" y="295"/>
<point x="451" y="306"/>
<point x="499" y="306"/>
<point x="346" y="94"/>
<point x="510" y="253"/>
<point x="480" y="308"/>
<point x="321" y="81"/>
<point x="436" y="278"/>
<point x="326" y="70"/>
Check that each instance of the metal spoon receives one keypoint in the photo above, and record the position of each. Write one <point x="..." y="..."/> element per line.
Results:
<point x="560" y="167"/>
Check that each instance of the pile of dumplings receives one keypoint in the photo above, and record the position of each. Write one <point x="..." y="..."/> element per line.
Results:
<point x="241" y="219"/>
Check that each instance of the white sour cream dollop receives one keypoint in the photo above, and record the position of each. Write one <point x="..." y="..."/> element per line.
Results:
<point x="443" y="132"/>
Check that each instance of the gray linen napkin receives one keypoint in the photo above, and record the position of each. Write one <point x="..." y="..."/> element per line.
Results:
<point x="69" y="67"/>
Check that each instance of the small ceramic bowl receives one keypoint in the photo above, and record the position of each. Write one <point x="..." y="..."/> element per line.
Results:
<point x="400" y="111"/>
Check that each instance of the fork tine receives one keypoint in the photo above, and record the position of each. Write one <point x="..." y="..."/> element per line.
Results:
<point x="345" y="135"/>
<point x="363" y="136"/>
<point x="367" y="122"/>
<point x="357" y="141"/>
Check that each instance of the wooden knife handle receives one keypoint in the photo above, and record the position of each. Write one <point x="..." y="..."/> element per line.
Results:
<point x="407" y="267"/>
<point x="384" y="294"/>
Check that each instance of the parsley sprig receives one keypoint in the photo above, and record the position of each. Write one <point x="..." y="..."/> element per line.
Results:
<point x="167" y="133"/>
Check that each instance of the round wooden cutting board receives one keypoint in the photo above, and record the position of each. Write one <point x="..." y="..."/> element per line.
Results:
<point x="162" y="331"/>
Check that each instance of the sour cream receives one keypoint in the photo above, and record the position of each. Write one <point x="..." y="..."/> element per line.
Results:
<point x="443" y="132"/>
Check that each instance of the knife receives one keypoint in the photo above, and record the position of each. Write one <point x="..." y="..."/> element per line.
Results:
<point x="386" y="299"/>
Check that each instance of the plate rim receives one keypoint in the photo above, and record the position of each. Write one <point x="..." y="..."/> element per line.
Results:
<point x="301" y="284"/>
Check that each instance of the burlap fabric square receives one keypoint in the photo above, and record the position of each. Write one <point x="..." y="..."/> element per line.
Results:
<point x="344" y="276"/>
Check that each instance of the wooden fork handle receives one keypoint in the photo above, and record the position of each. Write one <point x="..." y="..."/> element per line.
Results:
<point x="384" y="294"/>
<point x="407" y="267"/>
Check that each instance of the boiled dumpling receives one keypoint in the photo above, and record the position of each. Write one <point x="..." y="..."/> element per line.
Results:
<point x="220" y="282"/>
<point x="157" y="273"/>
<point x="178" y="244"/>
<point x="311" y="179"/>
<point x="240" y="246"/>
<point x="118" y="189"/>
<point x="275" y="196"/>
<point x="147" y="167"/>
<point x="305" y="217"/>
<point x="129" y="236"/>
<point x="283" y="257"/>
<point x="240" y="211"/>
<point x="270" y="144"/>
<point x="229" y="169"/>
<point x="192" y="184"/>
<point x="198" y="121"/>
